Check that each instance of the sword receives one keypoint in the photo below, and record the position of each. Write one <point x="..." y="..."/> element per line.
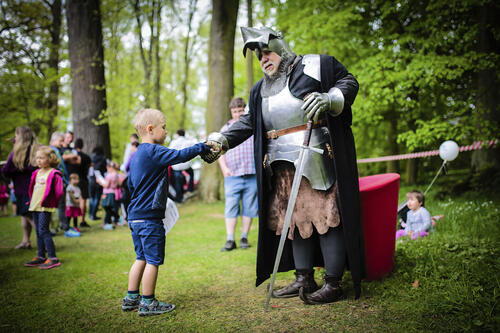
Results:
<point x="299" y="170"/>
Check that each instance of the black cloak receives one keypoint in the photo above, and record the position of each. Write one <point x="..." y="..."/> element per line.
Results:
<point x="333" y="74"/>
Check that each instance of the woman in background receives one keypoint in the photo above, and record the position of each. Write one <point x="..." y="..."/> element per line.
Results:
<point x="19" y="167"/>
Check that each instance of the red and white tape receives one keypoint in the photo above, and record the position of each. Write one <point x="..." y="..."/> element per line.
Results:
<point x="476" y="145"/>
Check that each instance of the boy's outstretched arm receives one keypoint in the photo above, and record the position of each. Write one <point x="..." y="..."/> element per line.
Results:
<point x="166" y="156"/>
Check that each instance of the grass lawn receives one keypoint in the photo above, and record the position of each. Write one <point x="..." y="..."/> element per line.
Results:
<point x="446" y="282"/>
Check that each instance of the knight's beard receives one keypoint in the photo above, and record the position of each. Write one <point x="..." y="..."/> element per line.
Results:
<point x="274" y="83"/>
<point x="286" y="60"/>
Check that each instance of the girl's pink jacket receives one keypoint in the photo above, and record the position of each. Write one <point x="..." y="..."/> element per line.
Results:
<point x="53" y="190"/>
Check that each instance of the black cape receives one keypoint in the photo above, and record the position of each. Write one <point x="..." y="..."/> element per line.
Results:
<point x="333" y="74"/>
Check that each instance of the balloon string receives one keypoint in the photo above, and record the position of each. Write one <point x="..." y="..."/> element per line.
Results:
<point x="435" y="177"/>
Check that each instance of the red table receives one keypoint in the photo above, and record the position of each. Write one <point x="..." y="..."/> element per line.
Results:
<point x="379" y="207"/>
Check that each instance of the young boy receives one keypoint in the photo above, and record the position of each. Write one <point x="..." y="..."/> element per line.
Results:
<point x="148" y="185"/>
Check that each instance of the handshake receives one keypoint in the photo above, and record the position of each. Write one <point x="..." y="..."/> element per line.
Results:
<point x="218" y="145"/>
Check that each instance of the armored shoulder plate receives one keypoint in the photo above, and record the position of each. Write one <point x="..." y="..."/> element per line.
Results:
<point x="312" y="66"/>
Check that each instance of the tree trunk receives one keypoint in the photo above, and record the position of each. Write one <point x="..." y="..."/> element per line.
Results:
<point x="392" y="166"/>
<point x="249" y="54"/>
<point x="55" y="44"/>
<point x="88" y="85"/>
<point x="488" y="97"/>
<point x="412" y="171"/>
<point x="220" y="85"/>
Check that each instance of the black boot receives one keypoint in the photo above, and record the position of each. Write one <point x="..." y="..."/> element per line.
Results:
<point x="329" y="293"/>
<point x="304" y="280"/>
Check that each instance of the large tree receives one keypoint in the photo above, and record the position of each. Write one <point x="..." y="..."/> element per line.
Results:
<point x="220" y="84"/>
<point x="88" y="85"/>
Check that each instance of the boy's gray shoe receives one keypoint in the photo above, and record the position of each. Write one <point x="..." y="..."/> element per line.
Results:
<point x="154" y="308"/>
<point x="130" y="304"/>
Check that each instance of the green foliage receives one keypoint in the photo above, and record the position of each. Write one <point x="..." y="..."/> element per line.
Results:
<point x="416" y="61"/>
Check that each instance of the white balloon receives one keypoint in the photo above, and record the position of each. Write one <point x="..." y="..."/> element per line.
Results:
<point x="448" y="150"/>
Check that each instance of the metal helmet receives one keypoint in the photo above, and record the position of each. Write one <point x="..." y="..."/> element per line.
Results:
<point x="257" y="39"/>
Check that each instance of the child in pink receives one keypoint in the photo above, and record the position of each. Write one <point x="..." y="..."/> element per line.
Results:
<point x="73" y="197"/>
<point x="45" y="191"/>
<point x="109" y="184"/>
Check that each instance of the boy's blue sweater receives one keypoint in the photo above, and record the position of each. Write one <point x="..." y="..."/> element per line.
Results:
<point x="148" y="178"/>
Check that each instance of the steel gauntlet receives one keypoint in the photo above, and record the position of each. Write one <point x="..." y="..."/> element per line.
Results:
<point x="218" y="145"/>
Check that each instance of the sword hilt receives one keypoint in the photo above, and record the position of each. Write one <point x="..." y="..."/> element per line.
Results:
<point x="307" y="135"/>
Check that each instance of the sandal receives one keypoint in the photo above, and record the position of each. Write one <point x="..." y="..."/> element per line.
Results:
<point x="23" y="246"/>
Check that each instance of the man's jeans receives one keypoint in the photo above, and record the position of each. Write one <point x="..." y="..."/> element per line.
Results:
<point x="61" y="213"/>
<point x="95" y="192"/>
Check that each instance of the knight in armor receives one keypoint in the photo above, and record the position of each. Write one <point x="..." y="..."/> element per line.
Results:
<point x="325" y="229"/>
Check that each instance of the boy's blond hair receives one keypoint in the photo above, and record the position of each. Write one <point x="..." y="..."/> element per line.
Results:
<point x="146" y="117"/>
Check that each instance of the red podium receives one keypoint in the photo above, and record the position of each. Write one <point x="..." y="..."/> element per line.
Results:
<point x="379" y="208"/>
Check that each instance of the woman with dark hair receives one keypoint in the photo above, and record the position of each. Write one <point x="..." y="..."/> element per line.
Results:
<point x="19" y="167"/>
<point x="95" y="190"/>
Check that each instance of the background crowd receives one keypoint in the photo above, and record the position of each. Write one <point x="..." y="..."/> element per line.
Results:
<point x="88" y="183"/>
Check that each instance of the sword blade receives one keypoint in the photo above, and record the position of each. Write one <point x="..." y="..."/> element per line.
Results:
<point x="299" y="171"/>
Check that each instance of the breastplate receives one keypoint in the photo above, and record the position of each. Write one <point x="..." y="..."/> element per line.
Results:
<point x="282" y="111"/>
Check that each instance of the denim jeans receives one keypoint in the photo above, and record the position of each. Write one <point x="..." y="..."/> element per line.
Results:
<point x="61" y="213"/>
<point x="95" y="192"/>
<point x="43" y="237"/>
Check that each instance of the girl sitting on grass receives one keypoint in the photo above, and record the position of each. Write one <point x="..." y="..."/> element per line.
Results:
<point x="45" y="191"/>
<point x="418" y="220"/>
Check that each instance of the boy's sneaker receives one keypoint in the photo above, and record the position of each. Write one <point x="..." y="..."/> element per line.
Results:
<point x="130" y="304"/>
<point x="36" y="261"/>
<point x="50" y="263"/>
<point x="154" y="308"/>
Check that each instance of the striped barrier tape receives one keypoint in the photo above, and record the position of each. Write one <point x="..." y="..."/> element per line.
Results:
<point x="475" y="146"/>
